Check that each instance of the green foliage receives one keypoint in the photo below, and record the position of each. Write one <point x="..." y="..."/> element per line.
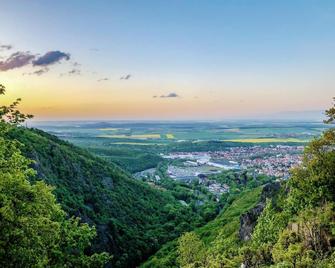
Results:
<point x="196" y="196"/>
<point x="165" y="257"/>
<point x="241" y="180"/>
<point x="313" y="183"/>
<point x="269" y="224"/>
<point x="34" y="230"/>
<point x="306" y="242"/>
<point x="11" y="114"/>
<point x="298" y="231"/>
<point x="132" y="219"/>
<point x="330" y="113"/>
<point x="219" y="236"/>
<point x="191" y="251"/>
<point x="130" y="160"/>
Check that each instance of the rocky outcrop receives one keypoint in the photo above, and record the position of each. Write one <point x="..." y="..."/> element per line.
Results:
<point x="248" y="220"/>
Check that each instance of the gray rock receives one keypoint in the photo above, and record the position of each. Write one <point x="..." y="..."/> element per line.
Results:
<point x="248" y="220"/>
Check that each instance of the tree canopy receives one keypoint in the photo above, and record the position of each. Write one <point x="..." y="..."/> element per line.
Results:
<point x="34" y="230"/>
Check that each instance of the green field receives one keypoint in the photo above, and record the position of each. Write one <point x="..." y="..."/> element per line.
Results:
<point x="269" y="140"/>
<point x="133" y="136"/>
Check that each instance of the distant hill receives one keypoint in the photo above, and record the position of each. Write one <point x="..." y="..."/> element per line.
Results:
<point x="132" y="219"/>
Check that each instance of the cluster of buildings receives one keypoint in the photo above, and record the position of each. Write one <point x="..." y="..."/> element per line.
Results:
<point x="188" y="173"/>
<point x="201" y="158"/>
<point x="217" y="188"/>
<point x="198" y="172"/>
<point x="273" y="160"/>
<point x="276" y="166"/>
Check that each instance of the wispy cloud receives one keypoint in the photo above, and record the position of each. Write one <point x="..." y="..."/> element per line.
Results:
<point x="38" y="72"/>
<point x="170" y="95"/>
<point x="5" y="47"/>
<point x="72" y="72"/>
<point x="103" y="79"/>
<point x="16" y="60"/>
<point x="126" y="77"/>
<point x="50" y="58"/>
<point x="76" y="64"/>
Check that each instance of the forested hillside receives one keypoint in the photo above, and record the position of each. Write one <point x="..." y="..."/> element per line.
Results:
<point x="34" y="230"/>
<point x="132" y="219"/>
<point x="225" y="226"/>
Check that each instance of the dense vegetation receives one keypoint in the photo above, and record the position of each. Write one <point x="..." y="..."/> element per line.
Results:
<point x="34" y="230"/>
<point x="197" y="196"/>
<point x="131" y="160"/>
<point x="244" y="194"/>
<point x="132" y="219"/>
<point x="192" y="245"/>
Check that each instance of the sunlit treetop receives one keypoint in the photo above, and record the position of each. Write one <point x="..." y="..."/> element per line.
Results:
<point x="10" y="113"/>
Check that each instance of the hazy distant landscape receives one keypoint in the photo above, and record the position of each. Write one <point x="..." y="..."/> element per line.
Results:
<point x="166" y="133"/>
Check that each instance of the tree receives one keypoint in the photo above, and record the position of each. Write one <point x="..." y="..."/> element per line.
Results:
<point x="191" y="251"/>
<point x="11" y="114"/>
<point x="313" y="183"/>
<point x="266" y="232"/>
<point x="299" y="230"/>
<point x="306" y="242"/>
<point x="330" y="113"/>
<point x="34" y="230"/>
<point x="268" y="225"/>
<point x="288" y="251"/>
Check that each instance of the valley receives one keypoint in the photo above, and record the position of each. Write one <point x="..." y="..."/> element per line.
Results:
<point x="200" y="170"/>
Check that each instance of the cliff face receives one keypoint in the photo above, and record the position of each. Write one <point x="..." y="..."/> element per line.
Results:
<point x="248" y="220"/>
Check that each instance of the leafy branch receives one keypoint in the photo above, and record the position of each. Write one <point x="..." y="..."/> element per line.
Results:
<point x="330" y="113"/>
<point x="10" y="114"/>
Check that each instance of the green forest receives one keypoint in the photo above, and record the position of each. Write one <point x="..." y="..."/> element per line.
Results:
<point x="62" y="206"/>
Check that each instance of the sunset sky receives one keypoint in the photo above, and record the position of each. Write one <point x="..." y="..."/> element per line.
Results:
<point x="167" y="59"/>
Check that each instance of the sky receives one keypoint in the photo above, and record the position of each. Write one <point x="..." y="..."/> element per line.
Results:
<point x="171" y="60"/>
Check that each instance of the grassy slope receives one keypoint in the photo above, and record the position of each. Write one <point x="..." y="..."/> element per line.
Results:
<point x="225" y="226"/>
<point x="133" y="220"/>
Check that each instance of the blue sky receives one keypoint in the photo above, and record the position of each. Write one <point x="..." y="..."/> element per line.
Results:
<point x="245" y="53"/>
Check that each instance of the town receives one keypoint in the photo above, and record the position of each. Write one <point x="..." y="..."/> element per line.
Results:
<point x="274" y="161"/>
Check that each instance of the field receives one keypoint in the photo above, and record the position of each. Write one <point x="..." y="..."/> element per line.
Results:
<point x="172" y="132"/>
<point x="170" y="136"/>
<point x="269" y="140"/>
<point x="137" y="145"/>
<point x="132" y="136"/>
